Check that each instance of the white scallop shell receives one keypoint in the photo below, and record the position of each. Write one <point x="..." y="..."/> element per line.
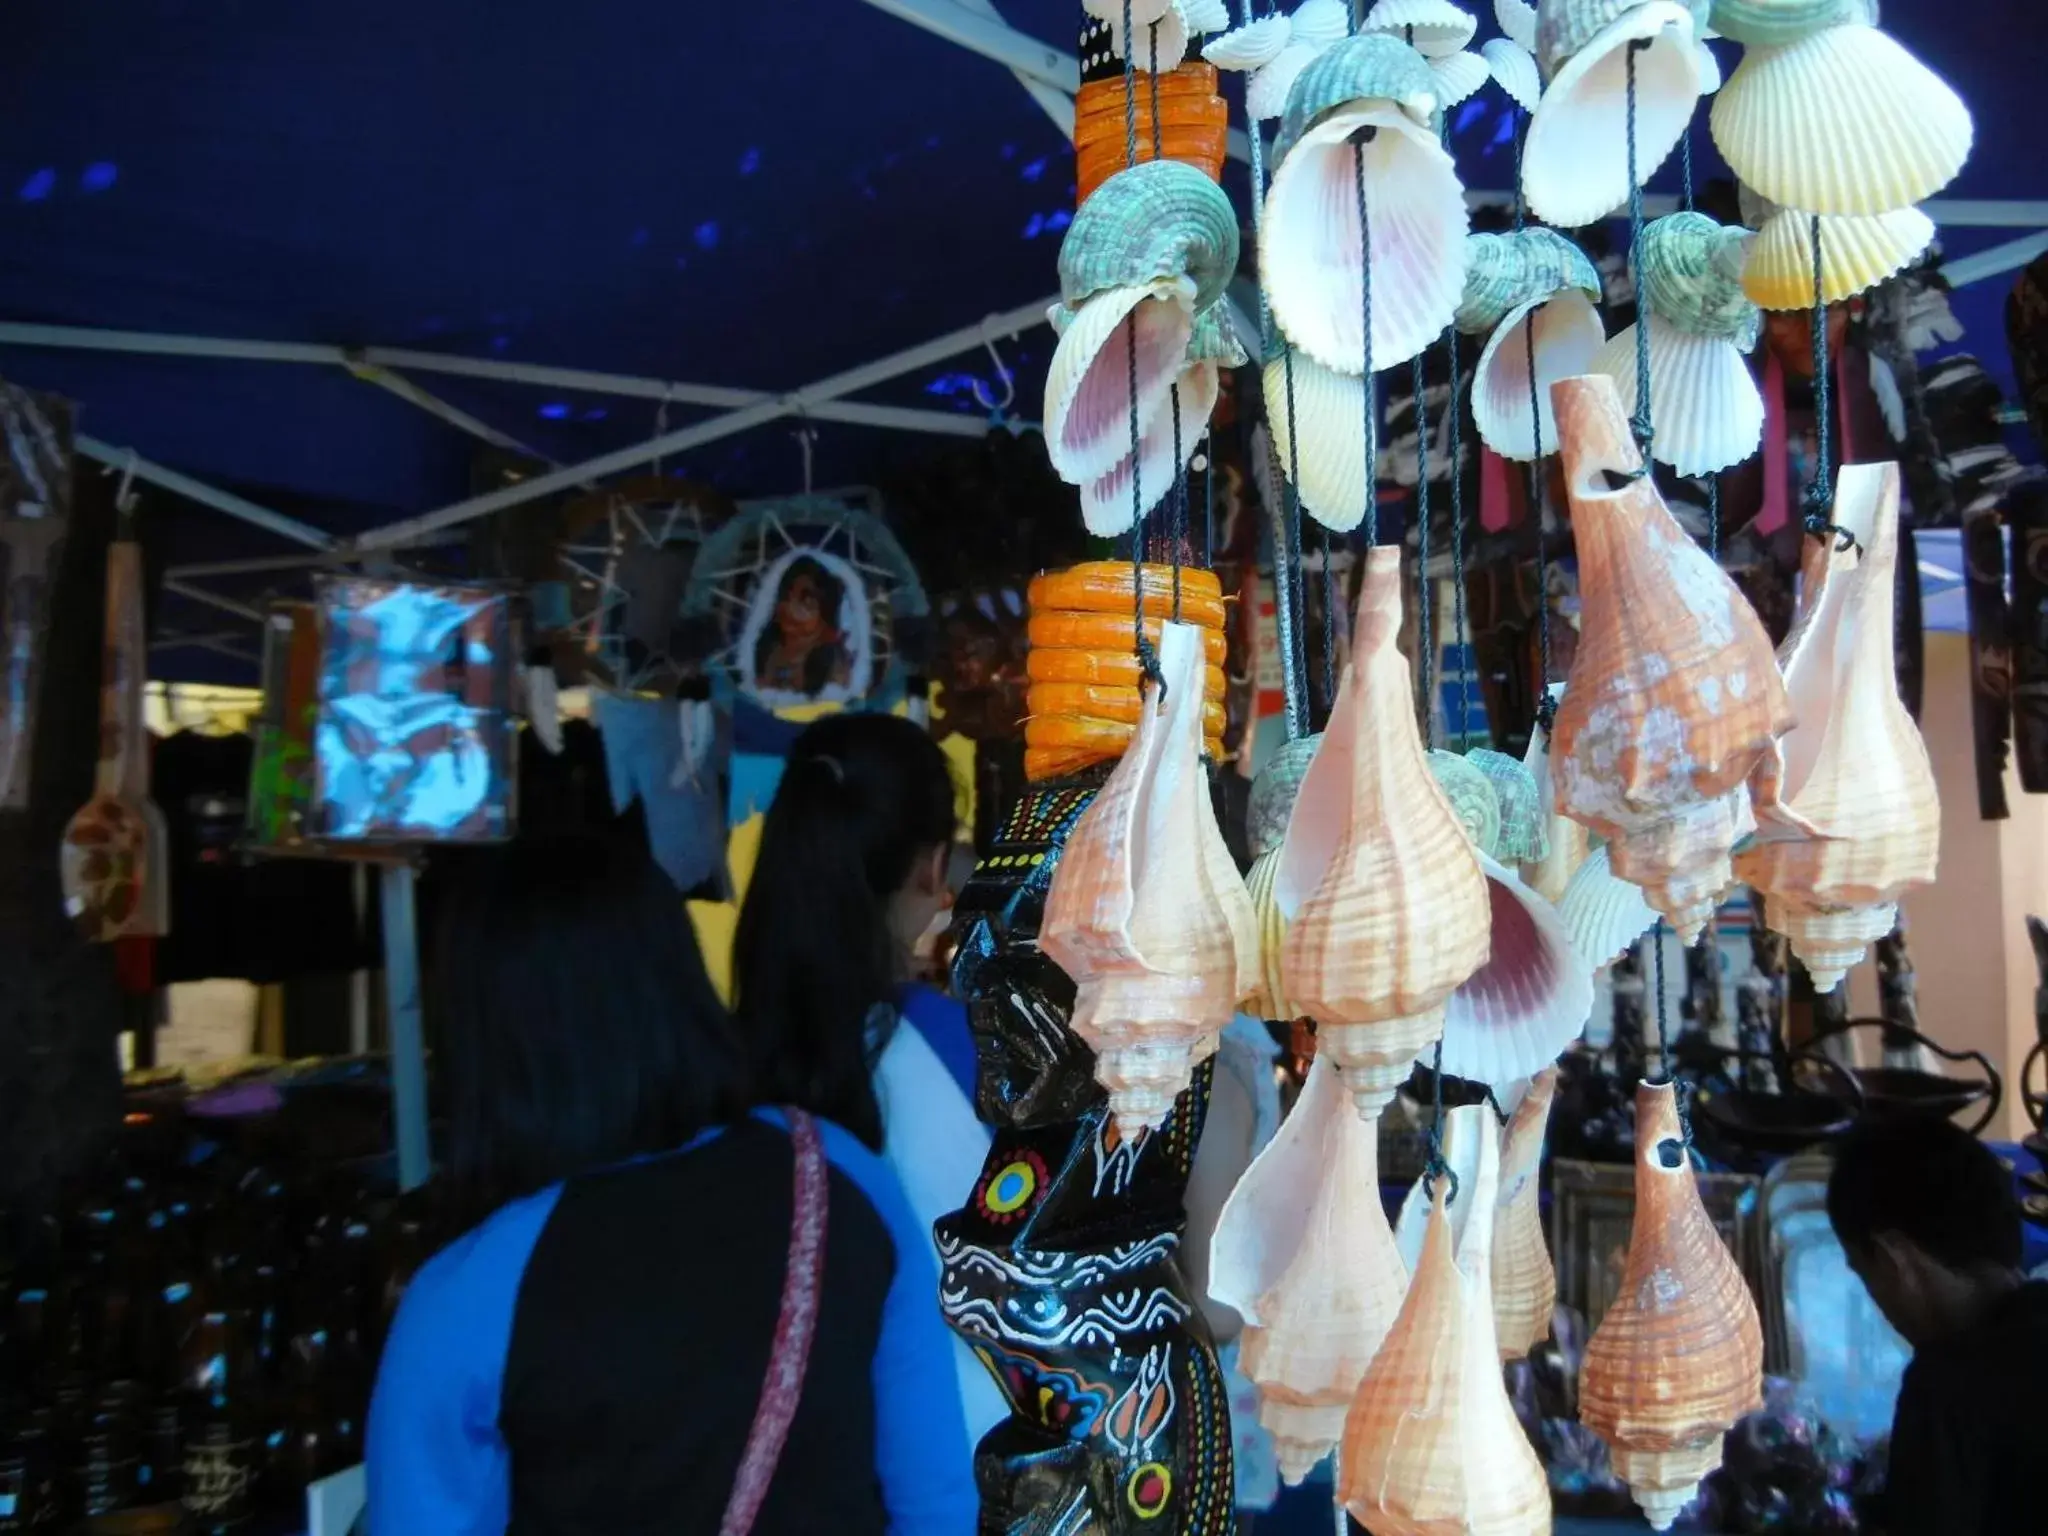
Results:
<point x="1517" y="20"/>
<point x="1514" y="68"/>
<point x="1320" y="22"/>
<point x="1161" y="44"/>
<point x="1710" y="67"/>
<point x="1265" y="94"/>
<point x="1458" y="76"/>
<point x="1857" y="253"/>
<point x="1705" y="407"/>
<point x="1575" y="163"/>
<point x="1845" y="121"/>
<point x="1569" y="336"/>
<point x="1088" y="386"/>
<point x="1330" y="456"/>
<point x="1106" y="500"/>
<point x="1604" y="914"/>
<point x="1529" y="1001"/>
<point x="1251" y="46"/>
<point x="1309" y="252"/>
<point x="1433" y="28"/>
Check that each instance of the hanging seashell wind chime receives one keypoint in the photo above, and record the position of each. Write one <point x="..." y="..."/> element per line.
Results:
<point x="1415" y="903"/>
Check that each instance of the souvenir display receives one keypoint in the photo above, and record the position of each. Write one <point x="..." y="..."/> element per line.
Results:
<point x="35" y="504"/>
<point x="280" y="797"/>
<point x="801" y="601"/>
<point x="1675" y="699"/>
<point x="1524" y="1281"/>
<point x="1857" y="821"/>
<point x="1432" y="1443"/>
<point x="1389" y="902"/>
<point x="1060" y="1269"/>
<point x="1706" y="407"/>
<point x="412" y="736"/>
<point x="1678" y="1357"/>
<point x="112" y="856"/>
<point x="1304" y="1253"/>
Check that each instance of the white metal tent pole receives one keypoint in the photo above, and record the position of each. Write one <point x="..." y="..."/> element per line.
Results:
<point x="198" y="490"/>
<point x="434" y="405"/>
<point x="1055" y="103"/>
<point x="802" y="402"/>
<point x="227" y="349"/>
<point x="1995" y="261"/>
<point x="212" y="599"/>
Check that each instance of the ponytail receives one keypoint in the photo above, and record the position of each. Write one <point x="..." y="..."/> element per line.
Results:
<point x="816" y="964"/>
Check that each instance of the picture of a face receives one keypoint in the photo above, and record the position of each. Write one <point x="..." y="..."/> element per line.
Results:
<point x="802" y="649"/>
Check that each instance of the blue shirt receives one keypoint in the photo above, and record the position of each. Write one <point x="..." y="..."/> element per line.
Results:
<point x="589" y="1359"/>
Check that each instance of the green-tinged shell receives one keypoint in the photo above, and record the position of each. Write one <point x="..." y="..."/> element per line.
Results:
<point x="1472" y="797"/>
<point x="1214" y="341"/>
<point x="1524" y="820"/>
<point x="1370" y="67"/>
<point x="1772" y="23"/>
<point x="1161" y="219"/>
<point x="1503" y="272"/>
<point x="1564" y="27"/>
<point x="1692" y="278"/>
<point x="1273" y="791"/>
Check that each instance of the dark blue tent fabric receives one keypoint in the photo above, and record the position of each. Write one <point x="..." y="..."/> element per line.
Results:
<point x="752" y="195"/>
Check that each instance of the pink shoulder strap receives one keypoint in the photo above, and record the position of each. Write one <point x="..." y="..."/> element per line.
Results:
<point x="794" y="1328"/>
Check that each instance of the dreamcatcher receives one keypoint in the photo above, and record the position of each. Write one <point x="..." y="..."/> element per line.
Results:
<point x="625" y="563"/>
<point x="808" y="600"/>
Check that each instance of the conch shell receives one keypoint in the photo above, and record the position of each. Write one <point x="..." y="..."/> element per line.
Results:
<point x="1575" y="164"/>
<point x="1395" y="912"/>
<point x="1533" y="278"/>
<point x="1679" y="1356"/>
<point x="1861" y="819"/>
<point x="1432" y="1444"/>
<point x="1303" y="1251"/>
<point x="1524" y="1280"/>
<point x="1367" y="99"/>
<point x="1675" y="699"/>
<point x="1151" y="922"/>
<point x="1706" y="406"/>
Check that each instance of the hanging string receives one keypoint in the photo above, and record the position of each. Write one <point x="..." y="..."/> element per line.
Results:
<point x="1439" y="1166"/>
<point x="1148" y="657"/>
<point x="1458" y="526"/>
<point x="1641" y="425"/>
<point x="1522" y="120"/>
<point x="1546" y="706"/>
<point x="1177" y="514"/>
<point x="1426" y="642"/>
<point x="1371" y="411"/>
<point x="1685" y="165"/>
<point x="1287" y="610"/>
<point x="1820" y="493"/>
<point x="1329" y="625"/>
<point x="1208" y="497"/>
<point x="1130" y="93"/>
<point x="1713" y="479"/>
<point x="1288" y="563"/>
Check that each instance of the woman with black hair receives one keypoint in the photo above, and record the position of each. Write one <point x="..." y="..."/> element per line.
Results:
<point x="851" y="872"/>
<point x="682" y="1316"/>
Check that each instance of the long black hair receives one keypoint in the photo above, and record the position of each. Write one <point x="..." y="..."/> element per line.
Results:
<point x="578" y="1026"/>
<point x="862" y="796"/>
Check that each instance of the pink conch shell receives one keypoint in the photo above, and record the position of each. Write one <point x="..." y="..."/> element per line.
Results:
<point x="1861" y="820"/>
<point x="1396" y="912"/>
<point x="1675" y="698"/>
<point x="1153" y="925"/>
<point x="1432" y="1445"/>
<point x="1679" y="1356"/>
<point x="1524" y="1281"/>
<point x="1515" y="1014"/>
<point x="1304" y="1251"/>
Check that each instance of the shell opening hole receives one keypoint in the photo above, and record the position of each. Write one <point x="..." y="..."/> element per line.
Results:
<point x="1365" y="135"/>
<point x="1671" y="1152"/>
